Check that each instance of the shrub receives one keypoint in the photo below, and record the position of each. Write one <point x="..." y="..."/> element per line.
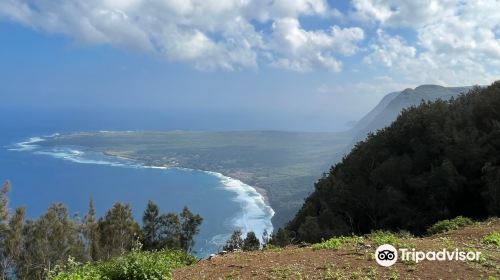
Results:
<point x="383" y="237"/>
<point x="447" y="225"/>
<point x="492" y="238"/>
<point x="135" y="265"/>
<point x="335" y="243"/>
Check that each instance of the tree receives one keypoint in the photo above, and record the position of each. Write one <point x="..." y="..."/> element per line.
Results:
<point x="190" y="226"/>
<point x="151" y="227"/>
<point x="167" y="230"/>
<point x="11" y="229"/>
<point x="4" y="205"/>
<point x="4" y="216"/>
<point x="281" y="238"/>
<point x="118" y="231"/>
<point x="6" y="260"/>
<point x="235" y="242"/>
<point x="251" y="242"/>
<point x="32" y="249"/>
<point x="49" y="241"/>
<point x="170" y="231"/>
<point x="14" y="241"/>
<point x="310" y="230"/>
<point x="91" y="233"/>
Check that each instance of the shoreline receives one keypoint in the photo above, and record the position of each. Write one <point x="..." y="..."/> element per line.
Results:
<point x="260" y="190"/>
<point x="249" y="197"/>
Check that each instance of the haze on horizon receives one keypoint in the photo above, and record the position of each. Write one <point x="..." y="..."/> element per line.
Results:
<point x="292" y="65"/>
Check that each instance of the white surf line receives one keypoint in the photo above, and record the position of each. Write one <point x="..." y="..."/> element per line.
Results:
<point x="252" y="203"/>
<point x="255" y="215"/>
<point x="27" y="145"/>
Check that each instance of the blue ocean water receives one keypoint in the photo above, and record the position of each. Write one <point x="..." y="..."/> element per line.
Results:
<point x="41" y="177"/>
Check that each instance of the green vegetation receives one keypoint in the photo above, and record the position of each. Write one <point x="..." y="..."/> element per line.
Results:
<point x="110" y="246"/>
<point x="333" y="273"/>
<point x="236" y="242"/>
<point x="492" y="238"/>
<point x="251" y="242"/>
<point x="378" y="237"/>
<point x="135" y="265"/>
<point x="169" y="230"/>
<point x="281" y="238"/>
<point x="437" y="161"/>
<point x="381" y="237"/>
<point x="286" y="272"/>
<point x="284" y="164"/>
<point x="447" y="225"/>
<point x="336" y="242"/>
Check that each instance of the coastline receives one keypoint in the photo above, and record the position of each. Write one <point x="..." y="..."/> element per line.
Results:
<point x="256" y="212"/>
<point x="235" y="176"/>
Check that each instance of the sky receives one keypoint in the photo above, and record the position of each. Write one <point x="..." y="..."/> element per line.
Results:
<point x="268" y="64"/>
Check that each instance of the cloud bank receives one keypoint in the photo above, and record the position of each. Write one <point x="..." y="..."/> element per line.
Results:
<point x="446" y="42"/>
<point x="209" y="34"/>
<point x="456" y="42"/>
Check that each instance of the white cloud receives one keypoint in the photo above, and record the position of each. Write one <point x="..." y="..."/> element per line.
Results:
<point x="449" y="42"/>
<point x="390" y="51"/>
<point x="427" y="66"/>
<point x="457" y="42"/>
<point x="303" y="50"/>
<point x="403" y="13"/>
<point x="208" y="34"/>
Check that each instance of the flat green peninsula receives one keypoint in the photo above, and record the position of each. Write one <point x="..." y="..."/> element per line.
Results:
<point x="282" y="166"/>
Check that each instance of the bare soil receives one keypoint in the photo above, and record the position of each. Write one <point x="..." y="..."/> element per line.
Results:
<point x="357" y="261"/>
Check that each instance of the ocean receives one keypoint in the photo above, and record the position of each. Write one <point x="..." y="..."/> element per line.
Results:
<point x="40" y="177"/>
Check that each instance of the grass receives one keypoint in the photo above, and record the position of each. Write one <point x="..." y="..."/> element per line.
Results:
<point x="492" y="239"/>
<point x="135" y="265"/>
<point x="286" y="272"/>
<point x="447" y="225"/>
<point x="233" y="275"/>
<point x="336" y="243"/>
<point x="378" y="237"/>
<point x="333" y="273"/>
<point x="393" y="274"/>
<point x="383" y="237"/>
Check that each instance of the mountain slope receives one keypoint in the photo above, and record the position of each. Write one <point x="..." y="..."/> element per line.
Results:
<point x="368" y="118"/>
<point x="436" y="161"/>
<point x="393" y="103"/>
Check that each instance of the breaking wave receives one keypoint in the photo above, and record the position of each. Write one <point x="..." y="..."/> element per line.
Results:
<point x="255" y="214"/>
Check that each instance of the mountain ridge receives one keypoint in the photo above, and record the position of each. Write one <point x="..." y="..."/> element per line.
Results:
<point x="393" y="103"/>
<point x="436" y="161"/>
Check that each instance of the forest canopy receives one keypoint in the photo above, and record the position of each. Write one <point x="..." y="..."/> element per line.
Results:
<point x="438" y="160"/>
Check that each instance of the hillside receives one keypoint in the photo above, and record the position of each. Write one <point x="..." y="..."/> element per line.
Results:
<point x="364" y="123"/>
<point x="393" y="103"/>
<point x="355" y="260"/>
<point x="436" y="161"/>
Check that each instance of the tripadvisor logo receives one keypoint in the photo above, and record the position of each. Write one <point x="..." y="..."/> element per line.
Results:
<point x="387" y="255"/>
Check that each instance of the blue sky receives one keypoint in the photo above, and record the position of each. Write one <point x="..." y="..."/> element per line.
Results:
<point x="296" y="65"/>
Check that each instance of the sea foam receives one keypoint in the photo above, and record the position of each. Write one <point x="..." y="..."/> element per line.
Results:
<point x="27" y="145"/>
<point x="255" y="214"/>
